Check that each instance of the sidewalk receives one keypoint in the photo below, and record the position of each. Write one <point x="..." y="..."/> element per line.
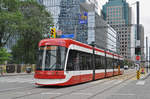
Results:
<point x="137" y="89"/>
<point x="144" y="76"/>
<point x="16" y="74"/>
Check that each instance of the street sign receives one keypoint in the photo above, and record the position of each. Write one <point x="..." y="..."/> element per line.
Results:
<point x="137" y="58"/>
<point x="83" y="18"/>
<point x="59" y="32"/>
<point x="53" y="33"/>
<point x="67" y="36"/>
<point x="137" y="43"/>
<point x="137" y="62"/>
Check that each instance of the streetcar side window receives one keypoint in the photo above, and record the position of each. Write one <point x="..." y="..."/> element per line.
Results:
<point x="79" y="61"/>
<point x="121" y="64"/>
<point x="73" y="61"/>
<point x="109" y="63"/>
<point x="99" y="62"/>
<point x="115" y="64"/>
<point x="89" y="61"/>
<point x="85" y="61"/>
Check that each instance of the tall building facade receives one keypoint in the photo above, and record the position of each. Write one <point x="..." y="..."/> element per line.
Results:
<point x="70" y="19"/>
<point x="117" y="13"/>
<point x="134" y="42"/>
<point x="68" y="15"/>
<point x="142" y="42"/>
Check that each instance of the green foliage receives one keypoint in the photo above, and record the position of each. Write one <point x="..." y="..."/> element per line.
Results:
<point x="4" y="55"/>
<point x="34" y="24"/>
<point x="10" y="18"/>
<point x="128" y="62"/>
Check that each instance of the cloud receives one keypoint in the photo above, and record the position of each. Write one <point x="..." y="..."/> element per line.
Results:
<point x="145" y="21"/>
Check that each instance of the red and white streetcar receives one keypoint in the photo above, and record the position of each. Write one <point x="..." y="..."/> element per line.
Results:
<point x="64" y="62"/>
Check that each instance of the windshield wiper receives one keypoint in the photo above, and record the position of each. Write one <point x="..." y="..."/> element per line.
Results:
<point x="50" y="68"/>
<point x="55" y="68"/>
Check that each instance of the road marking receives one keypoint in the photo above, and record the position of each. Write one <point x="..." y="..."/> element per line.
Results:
<point x="89" y="94"/>
<point x="140" y="82"/>
<point x="13" y="89"/>
<point x="51" y="93"/>
<point x="124" y="94"/>
<point x="98" y="81"/>
<point x="118" y="82"/>
<point x="17" y="80"/>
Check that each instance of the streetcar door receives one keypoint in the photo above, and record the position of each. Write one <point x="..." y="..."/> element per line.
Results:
<point x="72" y="68"/>
<point x="77" y="67"/>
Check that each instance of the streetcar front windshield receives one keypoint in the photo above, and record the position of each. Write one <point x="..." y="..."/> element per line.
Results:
<point x="51" y="58"/>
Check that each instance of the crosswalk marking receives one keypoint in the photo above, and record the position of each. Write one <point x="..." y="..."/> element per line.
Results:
<point x="140" y="82"/>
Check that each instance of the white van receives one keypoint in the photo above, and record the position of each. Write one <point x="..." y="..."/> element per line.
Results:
<point x="126" y="67"/>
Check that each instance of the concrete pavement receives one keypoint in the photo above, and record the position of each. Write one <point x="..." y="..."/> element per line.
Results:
<point x="15" y="74"/>
<point x="138" y="89"/>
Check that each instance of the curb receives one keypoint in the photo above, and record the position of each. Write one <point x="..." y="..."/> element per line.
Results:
<point x="145" y="77"/>
<point x="19" y="74"/>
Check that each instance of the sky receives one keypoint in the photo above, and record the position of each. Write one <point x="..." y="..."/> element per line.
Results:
<point x="144" y="14"/>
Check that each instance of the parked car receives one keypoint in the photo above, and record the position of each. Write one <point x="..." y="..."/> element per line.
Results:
<point x="126" y="67"/>
<point x="28" y="69"/>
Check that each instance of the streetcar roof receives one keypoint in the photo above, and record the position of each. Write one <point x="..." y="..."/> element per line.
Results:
<point x="67" y="42"/>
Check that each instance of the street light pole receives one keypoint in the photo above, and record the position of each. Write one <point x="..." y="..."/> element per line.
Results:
<point x="147" y="54"/>
<point x="138" y="20"/>
<point x="105" y="63"/>
<point x="138" y="47"/>
<point x="149" y="59"/>
<point x="93" y="59"/>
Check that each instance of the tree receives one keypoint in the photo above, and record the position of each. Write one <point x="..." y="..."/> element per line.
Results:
<point x="35" y="23"/>
<point x="4" y="55"/>
<point x="10" y="18"/>
<point x="128" y="62"/>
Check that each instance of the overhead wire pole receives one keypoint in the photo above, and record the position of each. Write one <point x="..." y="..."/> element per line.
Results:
<point x="149" y="59"/>
<point x="147" y="54"/>
<point x="138" y="48"/>
<point x="138" y="20"/>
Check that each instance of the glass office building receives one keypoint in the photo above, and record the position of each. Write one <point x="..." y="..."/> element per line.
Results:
<point x="117" y="13"/>
<point x="68" y="17"/>
<point x="67" y="14"/>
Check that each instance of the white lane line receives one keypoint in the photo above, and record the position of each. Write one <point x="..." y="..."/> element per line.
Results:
<point x="124" y="94"/>
<point x="140" y="82"/>
<point x="89" y="94"/>
<point x="50" y="93"/>
<point x="118" y="82"/>
<point x="13" y="88"/>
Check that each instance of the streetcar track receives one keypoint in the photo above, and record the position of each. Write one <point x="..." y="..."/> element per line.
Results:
<point x="79" y="89"/>
<point x="44" y="90"/>
<point x="106" y="89"/>
<point x="12" y="89"/>
<point x="91" y="87"/>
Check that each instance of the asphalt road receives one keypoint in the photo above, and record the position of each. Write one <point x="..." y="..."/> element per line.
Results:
<point x="23" y="87"/>
<point x="136" y="89"/>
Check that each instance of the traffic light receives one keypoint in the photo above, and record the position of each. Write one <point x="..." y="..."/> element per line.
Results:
<point x="53" y="33"/>
<point x="137" y="51"/>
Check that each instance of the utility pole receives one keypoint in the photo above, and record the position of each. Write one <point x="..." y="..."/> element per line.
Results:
<point x="138" y="45"/>
<point x="147" y="54"/>
<point x="138" y="20"/>
<point x="93" y="59"/>
<point x="146" y="48"/>
<point x="149" y="59"/>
